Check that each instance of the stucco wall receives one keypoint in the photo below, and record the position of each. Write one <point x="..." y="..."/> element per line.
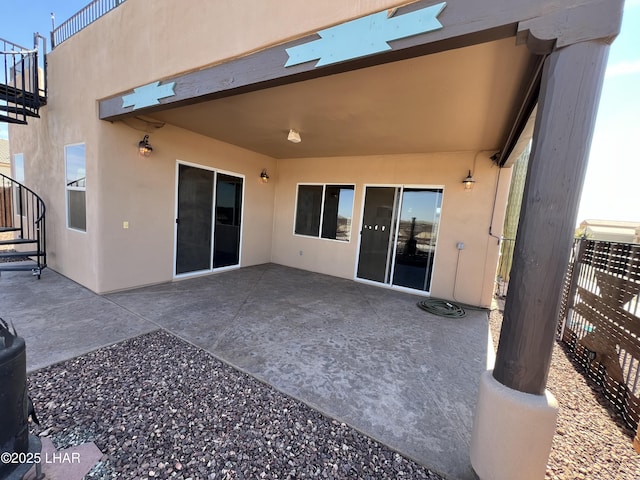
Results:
<point x="145" y="40"/>
<point x="141" y="41"/>
<point x="142" y="192"/>
<point x="42" y="142"/>
<point x="133" y="45"/>
<point x="466" y="216"/>
<point x="122" y="186"/>
<point x="5" y="160"/>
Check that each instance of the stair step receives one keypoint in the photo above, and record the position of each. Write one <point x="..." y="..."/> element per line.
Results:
<point x="19" y="110"/>
<point x="17" y="98"/>
<point x="7" y="119"/>
<point x="17" y="241"/>
<point x="34" y="253"/>
<point x="9" y="92"/>
<point x="19" y="267"/>
<point x="9" y="229"/>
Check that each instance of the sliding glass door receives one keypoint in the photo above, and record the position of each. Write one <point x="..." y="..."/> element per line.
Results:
<point x="415" y="244"/>
<point x="398" y="236"/>
<point x="194" y="224"/>
<point x="375" y="234"/>
<point x="208" y="221"/>
<point x="226" y="245"/>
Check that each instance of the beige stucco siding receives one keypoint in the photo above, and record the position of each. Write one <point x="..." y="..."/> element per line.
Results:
<point x="100" y="61"/>
<point x="182" y="36"/>
<point x="64" y="121"/>
<point x="466" y="216"/>
<point x="105" y="59"/>
<point x="122" y="186"/>
<point x="142" y="192"/>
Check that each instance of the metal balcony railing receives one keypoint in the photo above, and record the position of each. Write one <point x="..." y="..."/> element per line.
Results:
<point x="23" y="82"/>
<point x="83" y="18"/>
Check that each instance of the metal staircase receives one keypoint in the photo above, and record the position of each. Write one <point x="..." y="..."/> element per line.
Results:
<point x="23" y="90"/>
<point x="23" y="240"/>
<point x="23" y="80"/>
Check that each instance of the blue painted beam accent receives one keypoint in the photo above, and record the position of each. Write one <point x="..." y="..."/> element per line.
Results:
<point x="148" y="95"/>
<point x="364" y="36"/>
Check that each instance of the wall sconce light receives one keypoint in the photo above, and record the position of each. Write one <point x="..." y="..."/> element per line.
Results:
<point x="468" y="182"/>
<point x="144" y="148"/>
<point x="264" y="177"/>
<point x="294" y="136"/>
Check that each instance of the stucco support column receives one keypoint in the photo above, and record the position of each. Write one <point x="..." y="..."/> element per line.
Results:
<point x="515" y="416"/>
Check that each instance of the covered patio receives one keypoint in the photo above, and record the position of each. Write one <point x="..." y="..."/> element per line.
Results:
<point x="364" y="355"/>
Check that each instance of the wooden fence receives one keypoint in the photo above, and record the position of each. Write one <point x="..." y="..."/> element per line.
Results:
<point x="599" y="319"/>
<point x="505" y="261"/>
<point x="511" y="220"/>
<point x="6" y="212"/>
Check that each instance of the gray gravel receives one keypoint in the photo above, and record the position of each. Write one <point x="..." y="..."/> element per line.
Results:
<point x="591" y="441"/>
<point x="159" y="407"/>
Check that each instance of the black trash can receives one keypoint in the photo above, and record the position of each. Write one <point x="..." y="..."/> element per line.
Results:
<point x="14" y="428"/>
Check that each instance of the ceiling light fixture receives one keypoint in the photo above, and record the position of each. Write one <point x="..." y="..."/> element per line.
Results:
<point x="294" y="136"/>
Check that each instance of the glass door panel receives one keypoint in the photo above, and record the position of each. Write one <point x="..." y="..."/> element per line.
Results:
<point x="226" y="246"/>
<point x="375" y="240"/>
<point x="415" y="241"/>
<point x="194" y="222"/>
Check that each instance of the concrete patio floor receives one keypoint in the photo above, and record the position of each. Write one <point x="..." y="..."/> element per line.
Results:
<point x="364" y="355"/>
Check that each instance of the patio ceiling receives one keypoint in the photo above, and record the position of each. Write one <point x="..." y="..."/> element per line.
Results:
<point x="464" y="99"/>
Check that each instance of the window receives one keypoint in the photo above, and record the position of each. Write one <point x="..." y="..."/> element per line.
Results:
<point x="76" y="186"/>
<point x="18" y="176"/>
<point x="325" y="211"/>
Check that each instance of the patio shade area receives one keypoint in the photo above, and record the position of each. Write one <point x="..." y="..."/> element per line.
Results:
<point x="364" y="355"/>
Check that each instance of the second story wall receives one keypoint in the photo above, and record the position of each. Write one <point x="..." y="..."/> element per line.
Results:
<point x="146" y="40"/>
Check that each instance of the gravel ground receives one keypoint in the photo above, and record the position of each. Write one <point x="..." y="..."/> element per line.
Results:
<point x="158" y="407"/>
<point x="591" y="442"/>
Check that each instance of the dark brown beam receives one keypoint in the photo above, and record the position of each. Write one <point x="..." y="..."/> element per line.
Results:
<point x="527" y="105"/>
<point x="571" y="84"/>
<point x="265" y="69"/>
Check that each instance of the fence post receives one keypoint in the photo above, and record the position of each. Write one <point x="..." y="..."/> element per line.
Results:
<point x="574" y="272"/>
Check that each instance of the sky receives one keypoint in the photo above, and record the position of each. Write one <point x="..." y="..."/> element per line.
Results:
<point x="612" y="186"/>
